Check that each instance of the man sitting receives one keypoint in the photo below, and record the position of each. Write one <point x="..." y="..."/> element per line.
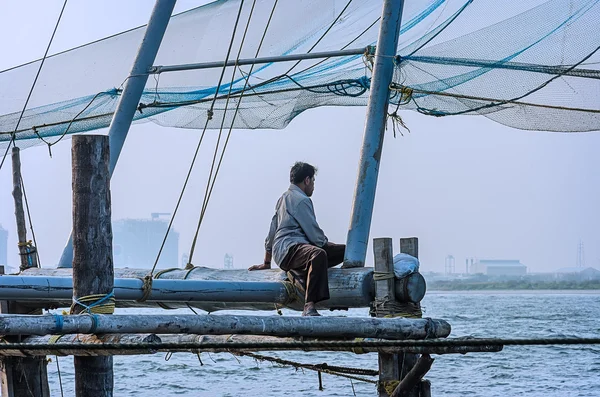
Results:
<point x="297" y="243"/>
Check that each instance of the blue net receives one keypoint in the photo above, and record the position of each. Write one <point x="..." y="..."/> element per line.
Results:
<point x="528" y="64"/>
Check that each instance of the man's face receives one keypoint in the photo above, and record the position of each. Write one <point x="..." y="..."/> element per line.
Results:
<point x="310" y="185"/>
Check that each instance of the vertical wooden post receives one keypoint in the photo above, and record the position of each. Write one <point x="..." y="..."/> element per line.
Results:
<point x="26" y="251"/>
<point x="407" y="361"/>
<point x="93" y="271"/>
<point x="384" y="291"/>
<point x="22" y="376"/>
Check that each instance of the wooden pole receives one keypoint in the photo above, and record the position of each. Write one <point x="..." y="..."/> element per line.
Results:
<point x="348" y="288"/>
<point x="93" y="272"/>
<point x="75" y="344"/>
<point x="204" y="324"/>
<point x="22" y="376"/>
<point x="384" y="291"/>
<point x="407" y="361"/>
<point x="26" y="250"/>
<point x="412" y="380"/>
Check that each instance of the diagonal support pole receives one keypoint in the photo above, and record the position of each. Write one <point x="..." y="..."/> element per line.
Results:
<point x="132" y="92"/>
<point x="370" y="156"/>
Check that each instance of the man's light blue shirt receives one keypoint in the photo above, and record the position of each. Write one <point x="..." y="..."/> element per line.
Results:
<point x="294" y="223"/>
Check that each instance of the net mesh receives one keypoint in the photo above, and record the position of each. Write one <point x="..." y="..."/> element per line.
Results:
<point x="528" y="64"/>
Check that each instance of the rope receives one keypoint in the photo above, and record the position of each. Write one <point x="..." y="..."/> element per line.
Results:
<point x="59" y="377"/>
<point x="210" y="184"/>
<point x="389" y="308"/>
<point x="147" y="283"/>
<point x="50" y="144"/>
<point x="146" y="288"/>
<point x="13" y="135"/>
<point x="345" y="372"/>
<point x="389" y="386"/>
<point x="209" y="117"/>
<point x="241" y="95"/>
<point x="95" y="304"/>
<point x="378" y="276"/>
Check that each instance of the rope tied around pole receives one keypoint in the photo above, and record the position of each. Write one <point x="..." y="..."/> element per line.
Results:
<point x="147" y="283"/>
<point x="146" y="287"/>
<point x="389" y="386"/>
<point x="378" y="276"/>
<point x="390" y="308"/>
<point x="95" y="304"/>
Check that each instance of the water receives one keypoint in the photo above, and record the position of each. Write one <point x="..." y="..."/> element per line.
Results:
<point x="538" y="371"/>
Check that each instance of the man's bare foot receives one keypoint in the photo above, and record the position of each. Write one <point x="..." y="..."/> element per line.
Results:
<point x="309" y="310"/>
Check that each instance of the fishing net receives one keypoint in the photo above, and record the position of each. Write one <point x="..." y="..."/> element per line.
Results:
<point x="528" y="64"/>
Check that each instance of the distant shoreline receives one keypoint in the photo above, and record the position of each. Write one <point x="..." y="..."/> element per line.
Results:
<point x="513" y="285"/>
<point x="433" y="291"/>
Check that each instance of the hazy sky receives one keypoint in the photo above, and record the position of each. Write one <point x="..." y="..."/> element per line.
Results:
<point x="465" y="185"/>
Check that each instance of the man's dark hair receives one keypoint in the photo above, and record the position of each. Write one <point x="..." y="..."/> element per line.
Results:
<point x="300" y="171"/>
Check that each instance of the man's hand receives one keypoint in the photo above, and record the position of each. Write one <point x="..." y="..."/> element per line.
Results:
<point x="264" y="266"/>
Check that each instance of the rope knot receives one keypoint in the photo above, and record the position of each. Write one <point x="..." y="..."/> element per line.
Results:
<point x="146" y="288"/>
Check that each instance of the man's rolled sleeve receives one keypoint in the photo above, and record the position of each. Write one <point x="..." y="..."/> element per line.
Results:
<point x="271" y="235"/>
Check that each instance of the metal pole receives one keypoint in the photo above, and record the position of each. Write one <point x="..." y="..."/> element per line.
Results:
<point x="256" y="61"/>
<point x="368" y="169"/>
<point x="132" y="92"/>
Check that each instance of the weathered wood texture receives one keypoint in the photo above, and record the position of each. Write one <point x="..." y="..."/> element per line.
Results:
<point x="92" y="249"/>
<point x="348" y="287"/>
<point x="407" y="361"/>
<point x="22" y="376"/>
<point x="384" y="291"/>
<point x="78" y="340"/>
<point x="72" y="345"/>
<point x="412" y="380"/>
<point x="332" y="327"/>
<point x="19" y="211"/>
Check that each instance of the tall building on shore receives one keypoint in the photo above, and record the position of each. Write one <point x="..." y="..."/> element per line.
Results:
<point x="136" y="243"/>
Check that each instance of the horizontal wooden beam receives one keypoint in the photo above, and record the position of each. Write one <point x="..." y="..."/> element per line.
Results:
<point x="286" y="326"/>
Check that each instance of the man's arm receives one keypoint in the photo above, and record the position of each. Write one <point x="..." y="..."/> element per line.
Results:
<point x="268" y="246"/>
<point x="305" y="215"/>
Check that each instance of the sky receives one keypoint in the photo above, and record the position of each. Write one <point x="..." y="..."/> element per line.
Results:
<point x="464" y="185"/>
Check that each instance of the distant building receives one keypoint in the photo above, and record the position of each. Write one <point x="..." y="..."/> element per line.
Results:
<point x="577" y="274"/>
<point x="498" y="267"/>
<point x="228" y="262"/>
<point x="136" y="243"/>
<point x="3" y="246"/>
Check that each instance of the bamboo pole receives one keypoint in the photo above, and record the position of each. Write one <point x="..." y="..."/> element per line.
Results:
<point x="77" y="341"/>
<point x="93" y="272"/>
<point x="348" y="288"/>
<point x="130" y="344"/>
<point x="286" y="326"/>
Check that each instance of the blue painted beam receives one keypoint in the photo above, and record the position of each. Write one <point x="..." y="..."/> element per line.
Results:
<point x="370" y="157"/>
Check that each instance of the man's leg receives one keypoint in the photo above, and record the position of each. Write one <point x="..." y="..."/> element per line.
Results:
<point x="312" y="263"/>
<point x="335" y="253"/>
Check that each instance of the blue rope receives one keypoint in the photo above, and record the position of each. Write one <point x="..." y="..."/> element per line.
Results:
<point x="88" y="308"/>
<point x="59" y="321"/>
